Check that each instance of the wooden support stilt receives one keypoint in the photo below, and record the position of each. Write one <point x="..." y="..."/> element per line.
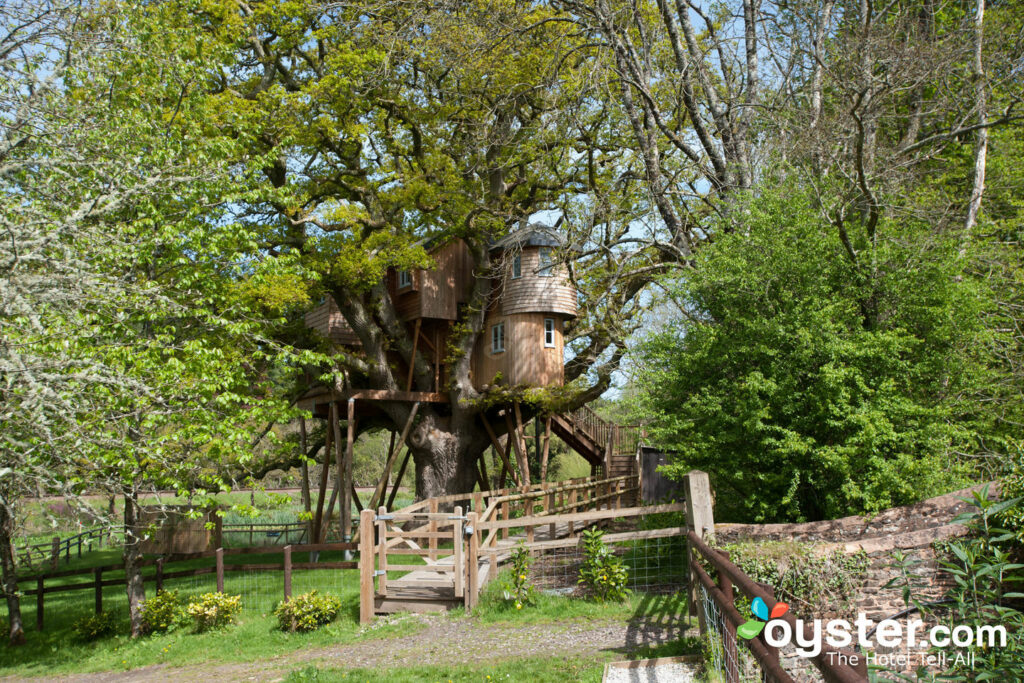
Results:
<point x="355" y="498"/>
<point x="503" y="452"/>
<point x="412" y="358"/>
<point x="546" y="449"/>
<point x="398" y="479"/>
<point x="306" y="497"/>
<point x="347" y="486"/>
<point x="330" y="512"/>
<point x="485" y="480"/>
<point x="319" y="517"/>
<point x="393" y="453"/>
<point x="515" y="434"/>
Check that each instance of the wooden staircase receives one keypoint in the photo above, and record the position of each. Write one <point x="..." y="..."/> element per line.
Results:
<point x="610" y="449"/>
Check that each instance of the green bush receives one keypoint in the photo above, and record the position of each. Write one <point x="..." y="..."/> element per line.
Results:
<point x="603" y="573"/>
<point x="518" y="590"/>
<point x="95" y="626"/>
<point x="307" y="612"/>
<point x="214" y="610"/>
<point x="163" y="612"/>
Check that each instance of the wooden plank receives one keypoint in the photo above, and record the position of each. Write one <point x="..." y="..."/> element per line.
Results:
<point x="366" y="566"/>
<point x="419" y="534"/>
<point x="590" y="516"/>
<point x="347" y="486"/>
<point x="382" y="552"/>
<point x="319" y="516"/>
<point x="389" y="395"/>
<point x="431" y="568"/>
<point x="325" y="565"/>
<point x="473" y="580"/>
<point x="457" y="560"/>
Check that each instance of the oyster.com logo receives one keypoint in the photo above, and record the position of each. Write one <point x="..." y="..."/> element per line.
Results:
<point x="752" y="629"/>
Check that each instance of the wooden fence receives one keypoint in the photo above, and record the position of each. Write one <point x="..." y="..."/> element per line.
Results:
<point x="281" y="533"/>
<point x="50" y="552"/>
<point x="164" y="571"/>
<point x="481" y="529"/>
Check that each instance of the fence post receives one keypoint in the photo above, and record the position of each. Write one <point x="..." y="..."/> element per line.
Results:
<point x="382" y="561"/>
<point x="457" y="559"/>
<point x="67" y="552"/>
<point x="39" y="603"/>
<point x="159" y="574"/>
<point x="432" y="528"/>
<point x="474" y="562"/>
<point x="287" y="572"/>
<point x="366" y="566"/>
<point x="505" y="515"/>
<point x="699" y="519"/>
<point x="54" y="552"/>
<point x="99" y="590"/>
<point x="732" y="672"/>
<point x="79" y="546"/>
<point x="220" y="570"/>
<point x="572" y="510"/>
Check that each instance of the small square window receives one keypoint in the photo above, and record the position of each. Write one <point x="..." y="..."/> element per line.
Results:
<point x="549" y="333"/>
<point x="498" y="338"/>
<point x="517" y="267"/>
<point x="404" y="279"/>
<point x="546" y="262"/>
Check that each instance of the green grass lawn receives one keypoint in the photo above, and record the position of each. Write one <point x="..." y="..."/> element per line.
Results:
<point x="549" y="670"/>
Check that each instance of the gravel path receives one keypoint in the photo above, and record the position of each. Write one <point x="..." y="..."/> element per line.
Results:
<point x="441" y="641"/>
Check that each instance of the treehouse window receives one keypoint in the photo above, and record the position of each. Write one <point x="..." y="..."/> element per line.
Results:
<point x="517" y="267"/>
<point x="404" y="279"/>
<point x="498" y="338"/>
<point x="549" y="333"/>
<point x="546" y="261"/>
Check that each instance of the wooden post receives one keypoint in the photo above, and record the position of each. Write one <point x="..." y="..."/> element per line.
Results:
<point x="307" y="502"/>
<point x="98" y="582"/>
<point x="366" y="607"/>
<point x="318" y="517"/>
<point x="382" y="559"/>
<point x="432" y="528"/>
<point x="474" y="562"/>
<point x="572" y="510"/>
<point x="159" y="574"/>
<point x="220" y="570"/>
<point x="478" y="502"/>
<point x="347" y="486"/>
<point x="412" y="358"/>
<point x="39" y="603"/>
<point x="287" y="572"/>
<point x="492" y="566"/>
<point x="457" y="558"/>
<point x="55" y="552"/>
<point x="699" y="518"/>
<point x="552" y="530"/>
<point x="546" y="449"/>
<point x="79" y="546"/>
<point x="505" y="514"/>
<point x="732" y="672"/>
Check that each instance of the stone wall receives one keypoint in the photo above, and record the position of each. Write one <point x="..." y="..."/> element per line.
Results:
<point x="913" y="530"/>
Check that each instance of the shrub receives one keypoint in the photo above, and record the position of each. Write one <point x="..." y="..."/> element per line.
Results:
<point x="94" y="626"/>
<point x="163" y="612"/>
<point x="519" y="590"/>
<point x="603" y="573"/>
<point x="214" y="610"/>
<point x="307" y="612"/>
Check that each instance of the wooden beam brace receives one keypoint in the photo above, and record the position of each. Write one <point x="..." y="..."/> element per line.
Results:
<point x="398" y="479"/>
<point x="382" y="485"/>
<point x="497" y="446"/>
<point x="412" y="358"/>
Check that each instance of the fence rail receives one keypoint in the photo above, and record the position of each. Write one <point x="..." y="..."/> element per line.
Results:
<point x="722" y="600"/>
<point x="162" y="574"/>
<point x="51" y="551"/>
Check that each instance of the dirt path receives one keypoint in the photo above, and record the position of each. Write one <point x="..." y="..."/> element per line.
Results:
<point x="441" y="641"/>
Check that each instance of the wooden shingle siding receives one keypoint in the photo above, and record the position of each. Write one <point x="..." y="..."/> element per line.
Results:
<point x="525" y="359"/>
<point x="533" y="293"/>
<point x="328" y="321"/>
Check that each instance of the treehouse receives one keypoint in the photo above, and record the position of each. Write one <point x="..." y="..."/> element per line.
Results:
<point x="530" y="300"/>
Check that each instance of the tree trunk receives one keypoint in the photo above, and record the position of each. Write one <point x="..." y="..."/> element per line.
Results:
<point x="445" y="450"/>
<point x="133" y="562"/>
<point x="16" y="635"/>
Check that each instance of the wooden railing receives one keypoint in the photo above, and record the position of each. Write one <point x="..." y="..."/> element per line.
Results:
<point x="474" y="530"/>
<point x="51" y="551"/>
<point x="623" y="439"/>
<point x="161" y="574"/>
<point x="833" y="668"/>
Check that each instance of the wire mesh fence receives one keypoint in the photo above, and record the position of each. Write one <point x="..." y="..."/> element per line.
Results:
<point x="654" y="565"/>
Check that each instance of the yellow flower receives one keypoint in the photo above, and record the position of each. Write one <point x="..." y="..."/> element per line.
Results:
<point x="519" y="605"/>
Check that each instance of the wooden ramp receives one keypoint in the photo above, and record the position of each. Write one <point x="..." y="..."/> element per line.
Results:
<point x="460" y="552"/>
